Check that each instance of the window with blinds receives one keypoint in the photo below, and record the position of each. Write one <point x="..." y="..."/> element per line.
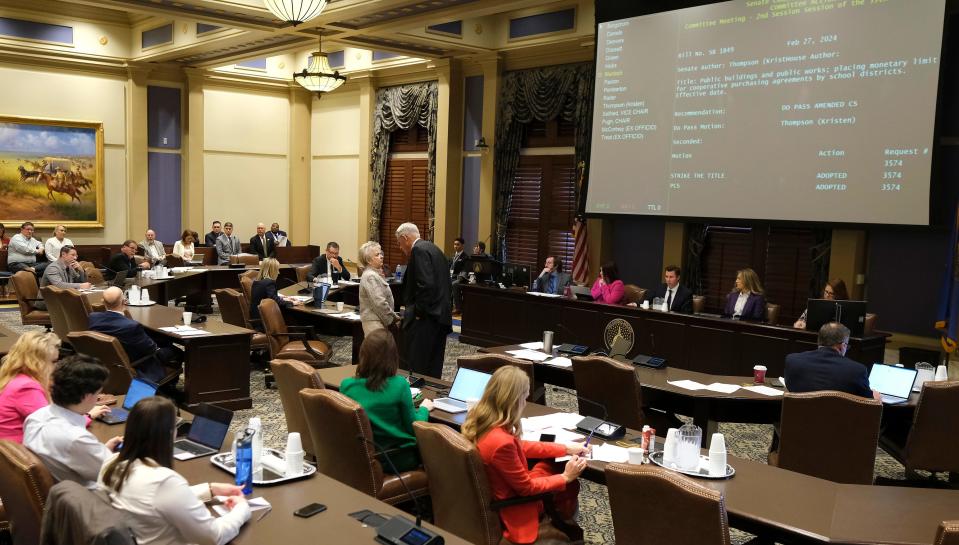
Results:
<point x="542" y="210"/>
<point x="404" y="192"/>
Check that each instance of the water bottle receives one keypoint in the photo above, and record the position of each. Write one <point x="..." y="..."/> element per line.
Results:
<point x="244" y="460"/>
<point x="399" y="273"/>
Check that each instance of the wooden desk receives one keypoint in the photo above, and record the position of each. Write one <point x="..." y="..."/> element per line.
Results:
<point x="699" y="343"/>
<point x="791" y="507"/>
<point x="7" y="338"/>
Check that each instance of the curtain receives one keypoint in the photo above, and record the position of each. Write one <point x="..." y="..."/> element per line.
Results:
<point x="401" y="107"/>
<point x="692" y="275"/>
<point x="540" y="94"/>
<point x="819" y="255"/>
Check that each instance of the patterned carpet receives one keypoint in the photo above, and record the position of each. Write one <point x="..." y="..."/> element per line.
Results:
<point x="743" y="440"/>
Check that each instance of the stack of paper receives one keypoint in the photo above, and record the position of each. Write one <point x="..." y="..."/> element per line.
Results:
<point x="764" y="390"/>
<point x="544" y="294"/>
<point x="185" y="330"/>
<point x="525" y="354"/>
<point x="535" y="345"/>
<point x="560" y="362"/>
<point x="687" y="384"/>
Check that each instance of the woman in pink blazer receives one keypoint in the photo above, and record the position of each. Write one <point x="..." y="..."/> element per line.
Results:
<point x="608" y="288"/>
<point x="24" y="381"/>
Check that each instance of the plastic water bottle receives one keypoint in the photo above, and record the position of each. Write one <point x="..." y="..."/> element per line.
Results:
<point x="244" y="460"/>
<point x="399" y="273"/>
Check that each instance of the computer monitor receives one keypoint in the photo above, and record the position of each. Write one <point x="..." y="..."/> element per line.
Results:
<point x="851" y="314"/>
<point x="484" y="267"/>
<point x="516" y="274"/>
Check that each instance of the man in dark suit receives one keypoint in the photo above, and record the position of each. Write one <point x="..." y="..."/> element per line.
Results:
<point x="330" y="263"/>
<point x="279" y="237"/>
<point x="124" y="260"/>
<point x="678" y="298"/>
<point x="261" y="245"/>
<point x="215" y="231"/>
<point x="428" y="317"/>
<point x="552" y="279"/>
<point x="827" y="367"/>
<point x="458" y="258"/>
<point x="137" y="344"/>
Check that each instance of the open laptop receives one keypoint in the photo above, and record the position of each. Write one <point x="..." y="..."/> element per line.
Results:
<point x="120" y="279"/>
<point x="138" y="390"/>
<point x="209" y="428"/>
<point x="468" y="384"/>
<point x="894" y="383"/>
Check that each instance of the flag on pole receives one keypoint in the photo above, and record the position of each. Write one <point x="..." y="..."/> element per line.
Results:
<point x="948" y="318"/>
<point x="580" y="235"/>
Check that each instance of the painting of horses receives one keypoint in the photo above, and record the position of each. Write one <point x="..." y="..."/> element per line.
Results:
<point x="51" y="172"/>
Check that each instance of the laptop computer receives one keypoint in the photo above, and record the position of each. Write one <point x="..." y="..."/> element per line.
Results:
<point x="138" y="390"/>
<point x="468" y="384"/>
<point x="209" y="428"/>
<point x="120" y="279"/>
<point x="894" y="383"/>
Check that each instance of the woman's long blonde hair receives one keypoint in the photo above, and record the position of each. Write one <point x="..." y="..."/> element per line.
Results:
<point x="751" y="283"/>
<point x="31" y="355"/>
<point x="499" y="406"/>
<point x="269" y="268"/>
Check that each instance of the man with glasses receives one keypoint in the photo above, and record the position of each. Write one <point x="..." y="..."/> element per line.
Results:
<point x="827" y="367"/>
<point x="125" y="260"/>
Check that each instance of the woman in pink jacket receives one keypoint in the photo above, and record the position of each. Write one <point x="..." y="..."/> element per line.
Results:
<point x="25" y="380"/>
<point x="608" y="288"/>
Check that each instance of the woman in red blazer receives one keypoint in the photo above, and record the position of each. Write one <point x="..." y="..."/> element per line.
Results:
<point x="494" y="426"/>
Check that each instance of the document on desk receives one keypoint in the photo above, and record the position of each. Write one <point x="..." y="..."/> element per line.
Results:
<point x="256" y="504"/>
<point x="536" y="345"/>
<point x="687" y="384"/>
<point x="532" y="355"/>
<point x="539" y="294"/>
<point x="722" y="388"/>
<point x="559" y="362"/>
<point x="606" y="452"/>
<point x="562" y="436"/>
<point x="566" y="421"/>
<point x="348" y="315"/>
<point x="185" y="330"/>
<point x="764" y="390"/>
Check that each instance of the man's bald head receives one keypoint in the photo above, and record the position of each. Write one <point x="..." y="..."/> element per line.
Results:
<point x="113" y="298"/>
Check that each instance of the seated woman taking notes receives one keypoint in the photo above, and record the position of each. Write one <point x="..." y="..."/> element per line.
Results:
<point x="608" y="288"/>
<point x="746" y="301"/>
<point x="834" y="290"/>
<point x="184" y="248"/>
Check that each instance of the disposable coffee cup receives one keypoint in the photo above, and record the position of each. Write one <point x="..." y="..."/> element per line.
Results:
<point x="294" y="442"/>
<point x="942" y="373"/>
<point x="635" y="455"/>
<point x="144" y="295"/>
<point x="294" y="455"/>
<point x="339" y="306"/>
<point x="645" y="305"/>
<point x="759" y="374"/>
<point x="187" y="318"/>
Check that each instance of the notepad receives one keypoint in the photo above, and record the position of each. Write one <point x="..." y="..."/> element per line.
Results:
<point x="687" y="384"/>
<point x="531" y="355"/>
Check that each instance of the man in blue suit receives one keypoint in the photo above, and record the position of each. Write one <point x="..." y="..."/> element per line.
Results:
<point x="137" y="344"/>
<point x="827" y="367"/>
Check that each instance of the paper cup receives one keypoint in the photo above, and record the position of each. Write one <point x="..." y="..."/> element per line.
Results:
<point x="144" y="295"/>
<point x="635" y="455"/>
<point x="293" y="442"/>
<point x="339" y="306"/>
<point x="187" y="318"/>
<point x="942" y="373"/>
<point x="759" y="374"/>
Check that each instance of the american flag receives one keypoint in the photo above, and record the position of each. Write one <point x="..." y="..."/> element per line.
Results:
<point x="580" y="235"/>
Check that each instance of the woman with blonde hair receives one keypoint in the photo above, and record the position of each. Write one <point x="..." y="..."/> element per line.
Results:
<point x="264" y="287"/>
<point x="494" y="426"/>
<point x="25" y="380"/>
<point x="746" y="301"/>
<point x="376" y="299"/>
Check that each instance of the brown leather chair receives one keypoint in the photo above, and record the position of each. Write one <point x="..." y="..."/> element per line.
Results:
<point x="246" y="285"/>
<point x="301" y="273"/>
<point x="948" y="533"/>
<point x="459" y="489"/>
<point x="53" y="297"/>
<point x="336" y="422"/>
<point x="292" y="376"/>
<point x="173" y="261"/>
<point x="851" y="446"/>
<point x="633" y="294"/>
<point x="249" y="259"/>
<point x="285" y="343"/>
<point x="699" y="304"/>
<point x="869" y="324"/>
<point x="933" y="440"/>
<point x="489" y="363"/>
<point x="94" y="276"/>
<point x="235" y="310"/>
<point x="613" y="384"/>
<point x="24" y="485"/>
<point x="77" y="310"/>
<point x="772" y="313"/>
<point x="28" y="292"/>
<point x="110" y="352"/>
<point x="683" y="512"/>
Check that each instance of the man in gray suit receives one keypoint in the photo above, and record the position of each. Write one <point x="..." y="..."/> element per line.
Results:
<point x="552" y="279"/>
<point x="153" y="249"/>
<point x="226" y="245"/>
<point x="65" y="272"/>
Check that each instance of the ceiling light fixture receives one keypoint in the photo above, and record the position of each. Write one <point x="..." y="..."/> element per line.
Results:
<point x="295" y="11"/>
<point x="318" y="76"/>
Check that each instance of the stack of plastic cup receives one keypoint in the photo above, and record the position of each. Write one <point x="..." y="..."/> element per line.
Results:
<point x="294" y="455"/>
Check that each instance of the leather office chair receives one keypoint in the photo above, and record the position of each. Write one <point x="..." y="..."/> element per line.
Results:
<point x="74" y="515"/>
<point x="489" y="363"/>
<point x="250" y="259"/>
<point x="869" y="324"/>
<point x="699" y="304"/>
<point x="633" y="294"/>
<point x="110" y="352"/>
<point x="173" y="261"/>
<point x="301" y="273"/>
<point x="24" y="485"/>
<point x="292" y="376"/>
<point x="246" y="285"/>
<point x="285" y="343"/>
<point x="94" y="276"/>
<point x="613" y="384"/>
<point x="25" y="283"/>
<point x="948" y="533"/>
<point x="460" y="492"/>
<point x="53" y="297"/>
<point x="933" y="440"/>
<point x="235" y="310"/>
<point x="684" y="512"/>
<point x="77" y="310"/>
<point x="852" y="446"/>
<point x="335" y="423"/>
<point x="772" y="313"/>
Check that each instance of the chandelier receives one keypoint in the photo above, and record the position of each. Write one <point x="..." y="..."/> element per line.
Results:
<point x="318" y="76"/>
<point x="295" y="11"/>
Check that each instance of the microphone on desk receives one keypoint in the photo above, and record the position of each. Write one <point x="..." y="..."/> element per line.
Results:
<point x="592" y="425"/>
<point x="416" y="504"/>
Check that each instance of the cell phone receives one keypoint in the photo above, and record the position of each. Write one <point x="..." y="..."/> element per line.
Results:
<point x="547" y="437"/>
<point x="310" y="510"/>
<point x="417" y="382"/>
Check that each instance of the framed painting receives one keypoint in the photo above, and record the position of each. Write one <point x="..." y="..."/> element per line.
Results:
<point x="51" y="172"/>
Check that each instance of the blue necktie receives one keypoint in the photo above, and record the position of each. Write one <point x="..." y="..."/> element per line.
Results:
<point x="552" y="283"/>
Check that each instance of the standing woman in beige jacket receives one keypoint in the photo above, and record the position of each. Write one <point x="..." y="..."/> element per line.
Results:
<point x="376" y="299"/>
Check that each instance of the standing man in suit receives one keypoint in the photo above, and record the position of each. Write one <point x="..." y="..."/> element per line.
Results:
<point x="210" y="238"/>
<point x="65" y="272"/>
<point x="552" y="279"/>
<point x="153" y="249"/>
<point x="261" y="245"/>
<point x="329" y="263"/>
<point x="458" y="258"/>
<point x="226" y="245"/>
<point x="678" y="298"/>
<point x="137" y="344"/>
<point x="279" y="237"/>
<point x="428" y="317"/>
<point x="125" y="260"/>
<point x="827" y="367"/>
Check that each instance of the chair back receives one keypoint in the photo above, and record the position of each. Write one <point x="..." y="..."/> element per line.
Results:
<point x="933" y="444"/>
<point x="301" y="273"/>
<point x="25" y="284"/>
<point x="246" y="286"/>
<point x="77" y="310"/>
<point x="24" y="485"/>
<point x="249" y="259"/>
<point x="53" y="296"/>
<point x="699" y="304"/>
<point x="292" y="376"/>
<point x="489" y="363"/>
<point x="948" y="533"/>
<point x="234" y="309"/>
<point x="772" y="313"/>
<point x="633" y="294"/>
<point x="273" y="325"/>
<point x="110" y="352"/>
<point x="94" y="276"/>
<point x="76" y="515"/>
<point x="174" y="261"/>
<point x="852" y="445"/>
<point x="459" y="488"/>
<point x="335" y="423"/>
<point x="683" y="513"/>
<point x="613" y="384"/>
<point x="869" y="324"/>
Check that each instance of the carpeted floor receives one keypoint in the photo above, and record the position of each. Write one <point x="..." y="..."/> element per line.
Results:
<point x="743" y="440"/>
